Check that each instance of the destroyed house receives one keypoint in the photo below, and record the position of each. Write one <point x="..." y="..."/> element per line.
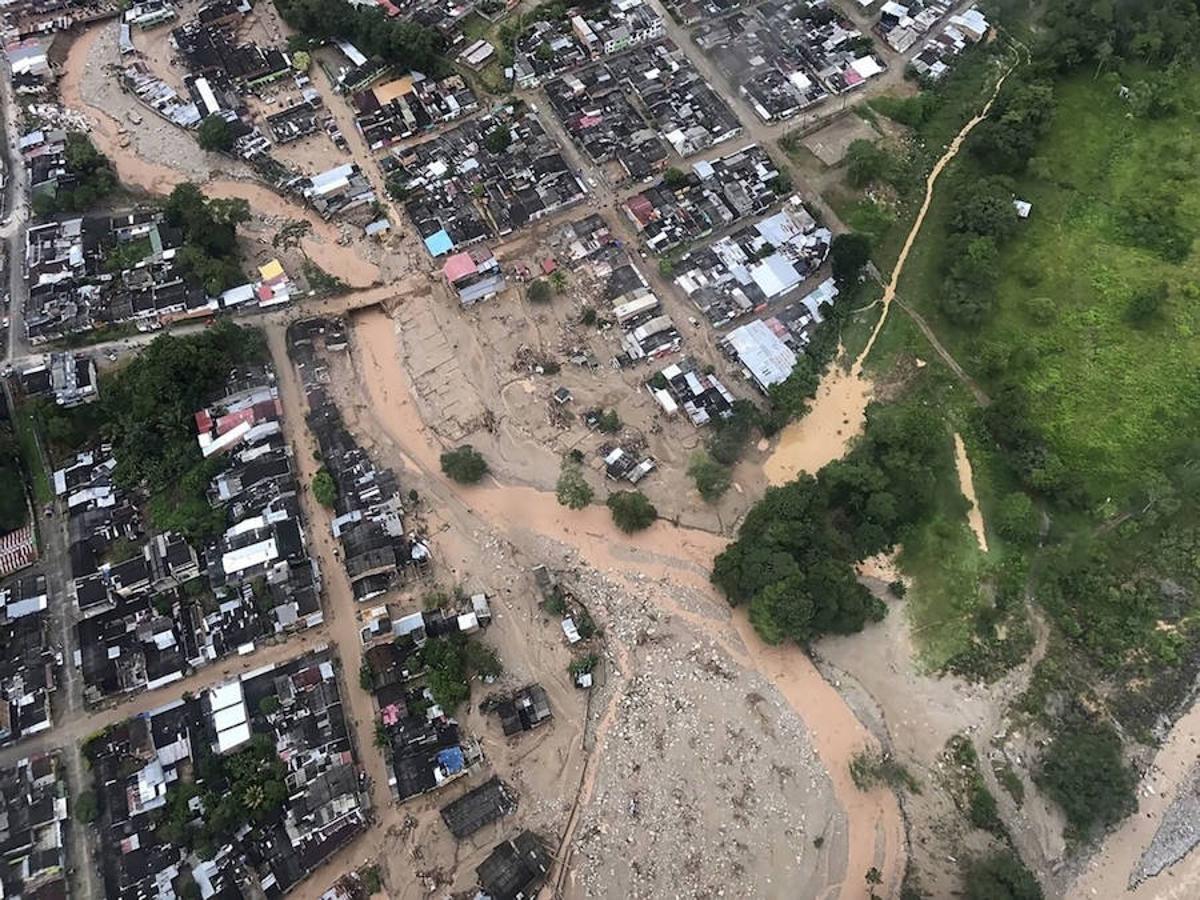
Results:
<point x="477" y="808"/>
<point x="215" y="53"/>
<point x="392" y="111"/>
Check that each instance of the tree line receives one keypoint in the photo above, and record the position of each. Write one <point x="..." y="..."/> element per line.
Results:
<point x="405" y="45"/>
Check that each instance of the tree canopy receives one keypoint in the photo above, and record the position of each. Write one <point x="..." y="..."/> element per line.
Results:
<point x="214" y="134"/>
<point x="572" y="489"/>
<point x="399" y="41"/>
<point x="631" y="511"/>
<point x="464" y="464"/>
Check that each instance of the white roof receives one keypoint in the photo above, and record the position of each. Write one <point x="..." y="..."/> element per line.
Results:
<point x="234" y="737"/>
<point x="225" y="695"/>
<point x="761" y="351"/>
<point x="248" y="557"/>
<point x="867" y="66"/>
<point x="775" y="275"/>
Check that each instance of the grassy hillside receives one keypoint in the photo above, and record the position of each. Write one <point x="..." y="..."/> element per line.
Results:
<point x="1113" y="396"/>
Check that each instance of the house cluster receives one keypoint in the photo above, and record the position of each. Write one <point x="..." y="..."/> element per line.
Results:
<point x="27" y="665"/>
<point x="599" y="106"/>
<point x="701" y="395"/>
<point x="550" y="46"/>
<point x="605" y="269"/>
<point x="47" y="162"/>
<point x="755" y="265"/>
<point x="515" y="869"/>
<point x="767" y="348"/>
<point x="960" y="32"/>
<point x="787" y="56"/>
<point x="70" y="378"/>
<point x="426" y="745"/>
<point x="378" y="552"/>
<point x="902" y="25"/>
<point x="262" y="767"/>
<point x="34" y="860"/>
<point x="485" y="178"/>
<point x="27" y="18"/>
<point x="86" y="273"/>
<point x="443" y="16"/>
<point x="596" y="112"/>
<point x="399" y="108"/>
<point x="683" y="207"/>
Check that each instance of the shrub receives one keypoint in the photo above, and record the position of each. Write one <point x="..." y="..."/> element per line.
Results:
<point x="610" y="422"/>
<point x="1016" y="519"/>
<point x="539" y="291"/>
<point x="631" y="511"/>
<point x="464" y="464"/>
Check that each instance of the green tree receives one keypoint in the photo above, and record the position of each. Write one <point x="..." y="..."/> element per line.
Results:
<point x="631" y="511"/>
<point x="86" y="807"/>
<point x="214" y="134"/>
<point x="497" y="139"/>
<point x="1001" y="876"/>
<point x="572" y="489"/>
<point x="1145" y="305"/>
<point x="712" y="479"/>
<point x="1016" y="519"/>
<point x="1085" y="773"/>
<point x="539" y="291"/>
<point x="464" y="464"/>
<point x="324" y="488"/>
<point x="609" y="422"/>
<point x="301" y="60"/>
<point x="674" y="178"/>
<point x="866" y="162"/>
<point x="849" y="253"/>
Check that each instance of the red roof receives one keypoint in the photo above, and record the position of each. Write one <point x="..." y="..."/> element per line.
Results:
<point x="233" y="420"/>
<point x="548" y="265"/>
<point x="458" y="266"/>
<point x="203" y="422"/>
<point x="641" y="208"/>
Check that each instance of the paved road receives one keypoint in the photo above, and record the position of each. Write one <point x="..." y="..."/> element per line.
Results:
<point x="16" y="210"/>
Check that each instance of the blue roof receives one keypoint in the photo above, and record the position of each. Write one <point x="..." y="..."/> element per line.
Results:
<point x="438" y="243"/>
<point x="451" y="759"/>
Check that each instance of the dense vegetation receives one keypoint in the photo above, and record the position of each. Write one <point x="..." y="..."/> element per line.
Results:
<point x="210" y="252"/>
<point x="793" y="560"/>
<point x="93" y="174"/>
<point x="13" y="510"/>
<point x="405" y="44"/>
<point x="1084" y="772"/>
<point x="147" y="408"/>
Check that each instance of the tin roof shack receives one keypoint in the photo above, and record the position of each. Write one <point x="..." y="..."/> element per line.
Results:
<point x="73" y="379"/>
<point x="176" y="763"/>
<point x="713" y="195"/>
<point x="486" y="178"/>
<point x="515" y="869"/>
<point x="34" y="859"/>
<point x="29" y="17"/>
<point x="27" y="676"/>
<point x="754" y="266"/>
<point x="211" y="50"/>
<point x="474" y="275"/>
<point x="490" y="802"/>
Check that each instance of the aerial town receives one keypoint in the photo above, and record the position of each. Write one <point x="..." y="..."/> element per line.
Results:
<point x="515" y="449"/>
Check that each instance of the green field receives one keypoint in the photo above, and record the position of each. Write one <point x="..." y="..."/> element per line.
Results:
<point x="1112" y="398"/>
